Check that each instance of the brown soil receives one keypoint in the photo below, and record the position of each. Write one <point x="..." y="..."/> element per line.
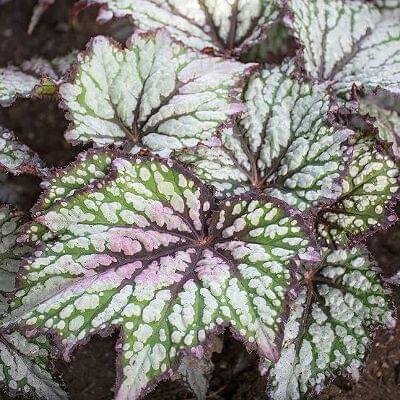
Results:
<point x="91" y="374"/>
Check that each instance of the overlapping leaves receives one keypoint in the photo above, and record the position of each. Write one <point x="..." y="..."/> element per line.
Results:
<point x="224" y="25"/>
<point x="330" y="323"/>
<point x="352" y="44"/>
<point x="134" y="250"/>
<point x="24" y="363"/>
<point x="283" y="146"/>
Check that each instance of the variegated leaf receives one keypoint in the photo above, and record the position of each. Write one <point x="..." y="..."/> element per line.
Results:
<point x="153" y="93"/>
<point x="24" y="362"/>
<point x="224" y="25"/>
<point x="348" y="42"/>
<point x="387" y="122"/>
<point x="16" y="157"/>
<point x="24" y="365"/>
<point x="11" y="252"/>
<point x="330" y="323"/>
<point x="369" y="191"/>
<point x="133" y="250"/>
<point x="283" y="145"/>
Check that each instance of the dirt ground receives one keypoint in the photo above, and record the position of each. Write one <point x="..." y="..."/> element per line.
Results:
<point x="91" y="374"/>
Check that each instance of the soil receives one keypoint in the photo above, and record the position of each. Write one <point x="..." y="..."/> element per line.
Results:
<point x="91" y="374"/>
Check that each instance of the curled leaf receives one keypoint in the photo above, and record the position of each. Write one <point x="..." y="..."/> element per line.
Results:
<point x="24" y="362"/>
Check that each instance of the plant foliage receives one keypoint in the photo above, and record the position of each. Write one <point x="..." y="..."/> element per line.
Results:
<point x="218" y="194"/>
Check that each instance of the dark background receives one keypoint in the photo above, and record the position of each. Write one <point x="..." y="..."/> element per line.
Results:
<point x="41" y="124"/>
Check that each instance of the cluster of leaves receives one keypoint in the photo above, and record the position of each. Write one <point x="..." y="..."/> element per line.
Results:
<point x="218" y="193"/>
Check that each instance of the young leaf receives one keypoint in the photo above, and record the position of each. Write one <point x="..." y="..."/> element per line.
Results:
<point x="23" y="362"/>
<point x="369" y="191"/>
<point x="387" y="122"/>
<point x="283" y="145"/>
<point x="134" y="250"/>
<point x="348" y="42"/>
<point x="153" y="93"/>
<point x="223" y="25"/>
<point x="330" y="322"/>
<point x="15" y="157"/>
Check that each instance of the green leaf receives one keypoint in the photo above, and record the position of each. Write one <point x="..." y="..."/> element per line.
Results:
<point x="283" y="146"/>
<point x="134" y="250"/>
<point x="369" y="191"/>
<point x="223" y="25"/>
<point x="153" y="93"/>
<point x="330" y="322"/>
<point x="348" y="42"/>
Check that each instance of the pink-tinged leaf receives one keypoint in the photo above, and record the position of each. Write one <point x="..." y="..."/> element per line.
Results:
<point x="136" y="250"/>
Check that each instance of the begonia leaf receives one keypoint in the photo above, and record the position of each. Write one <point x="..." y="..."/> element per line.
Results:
<point x="137" y="250"/>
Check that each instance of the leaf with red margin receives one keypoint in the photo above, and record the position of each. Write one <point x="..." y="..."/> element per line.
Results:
<point x="154" y="93"/>
<point x="134" y="250"/>
<point x="35" y="77"/>
<point x="387" y="122"/>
